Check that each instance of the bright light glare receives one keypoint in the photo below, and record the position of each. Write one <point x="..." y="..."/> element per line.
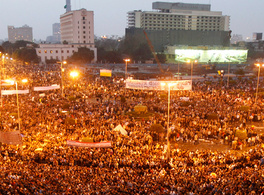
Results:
<point x="24" y="80"/>
<point x="74" y="74"/>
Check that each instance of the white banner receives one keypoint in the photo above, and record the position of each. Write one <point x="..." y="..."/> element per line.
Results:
<point x="12" y="92"/>
<point x="159" y="85"/>
<point x="89" y="144"/>
<point x="47" y="88"/>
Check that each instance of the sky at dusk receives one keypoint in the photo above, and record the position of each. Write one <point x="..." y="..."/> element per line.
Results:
<point x="110" y="16"/>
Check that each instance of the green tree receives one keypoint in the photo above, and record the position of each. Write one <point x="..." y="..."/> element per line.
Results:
<point x="26" y="55"/>
<point x="83" y="56"/>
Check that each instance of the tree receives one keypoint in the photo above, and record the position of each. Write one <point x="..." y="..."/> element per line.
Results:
<point x="84" y="55"/>
<point x="1" y="49"/>
<point x="26" y="55"/>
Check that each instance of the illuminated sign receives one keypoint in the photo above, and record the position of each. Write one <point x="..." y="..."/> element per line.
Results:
<point x="205" y="56"/>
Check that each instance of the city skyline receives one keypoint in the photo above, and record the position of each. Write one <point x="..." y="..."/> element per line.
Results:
<point x="111" y="19"/>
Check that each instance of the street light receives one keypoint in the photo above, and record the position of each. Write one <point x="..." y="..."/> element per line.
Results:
<point x="74" y="74"/>
<point x="192" y="61"/>
<point x="168" y="122"/>
<point x="11" y="82"/>
<point x="258" y="65"/>
<point x="126" y="60"/>
<point x="62" y="70"/>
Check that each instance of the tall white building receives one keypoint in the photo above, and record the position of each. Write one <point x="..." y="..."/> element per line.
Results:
<point x="76" y="30"/>
<point x="78" y="27"/>
<point x="20" y="33"/>
<point x="179" y="16"/>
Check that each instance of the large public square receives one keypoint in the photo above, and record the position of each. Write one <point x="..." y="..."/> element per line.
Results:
<point x="205" y="155"/>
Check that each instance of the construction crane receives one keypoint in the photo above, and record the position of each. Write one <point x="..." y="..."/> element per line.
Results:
<point x="153" y="52"/>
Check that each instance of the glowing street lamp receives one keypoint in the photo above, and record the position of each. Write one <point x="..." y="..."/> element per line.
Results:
<point x="126" y="60"/>
<point x="74" y="74"/>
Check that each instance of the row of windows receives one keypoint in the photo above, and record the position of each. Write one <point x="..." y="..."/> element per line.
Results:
<point x="182" y="28"/>
<point x="56" y="51"/>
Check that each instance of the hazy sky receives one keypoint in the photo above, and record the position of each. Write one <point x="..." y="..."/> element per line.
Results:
<point x="110" y="15"/>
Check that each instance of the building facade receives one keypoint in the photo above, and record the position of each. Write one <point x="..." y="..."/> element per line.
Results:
<point x="55" y="37"/>
<point x="77" y="27"/>
<point x="59" y="52"/>
<point x="24" y="33"/>
<point x="173" y="24"/>
<point x="179" y="16"/>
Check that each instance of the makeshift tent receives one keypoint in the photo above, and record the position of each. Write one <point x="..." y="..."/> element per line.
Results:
<point x="120" y="129"/>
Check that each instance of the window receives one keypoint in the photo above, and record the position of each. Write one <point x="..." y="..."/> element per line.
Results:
<point x="39" y="51"/>
<point x="57" y="51"/>
<point x="68" y="51"/>
<point x="83" y="22"/>
<point x="83" y="18"/>
<point x="51" y="51"/>
<point x="45" y="51"/>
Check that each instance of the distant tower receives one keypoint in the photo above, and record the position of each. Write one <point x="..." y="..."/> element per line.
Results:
<point x="68" y="5"/>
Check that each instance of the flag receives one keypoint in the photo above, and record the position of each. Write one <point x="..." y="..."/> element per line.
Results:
<point x="65" y="6"/>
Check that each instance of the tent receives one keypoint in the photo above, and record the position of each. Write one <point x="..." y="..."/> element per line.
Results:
<point x="120" y="129"/>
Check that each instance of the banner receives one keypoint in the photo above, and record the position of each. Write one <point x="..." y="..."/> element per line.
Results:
<point x="105" y="73"/>
<point x="12" y="137"/>
<point x="12" y="92"/>
<point x="47" y="88"/>
<point x="159" y="85"/>
<point x="89" y="144"/>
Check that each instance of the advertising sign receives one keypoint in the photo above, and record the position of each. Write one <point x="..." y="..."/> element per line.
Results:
<point x="205" y="56"/>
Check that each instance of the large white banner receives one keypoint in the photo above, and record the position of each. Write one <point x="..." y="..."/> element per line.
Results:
<point x="47" y="88"/>
<point x="89" y="144"/>
<point x="159" y="85"/>
<point x="12" y="92"/>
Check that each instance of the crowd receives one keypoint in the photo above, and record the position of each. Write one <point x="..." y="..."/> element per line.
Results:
<point x="136" y="163"/>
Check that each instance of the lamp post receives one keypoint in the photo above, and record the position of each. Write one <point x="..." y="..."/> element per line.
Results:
<point x="126" y="60"/>
<point x="168" y="121"/>
<point x="191" y="61"/>
<point x="62" y="70"/>
<point x="17" y="100"/>
<point x="258" y="65"/>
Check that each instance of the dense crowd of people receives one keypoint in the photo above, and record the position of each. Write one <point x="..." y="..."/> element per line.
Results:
<point x="137" y="163"/>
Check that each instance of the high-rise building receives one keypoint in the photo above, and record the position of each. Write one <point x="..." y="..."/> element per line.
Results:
<point x="55" y="37"/>
<point x="179" y="16"/>
<point x="68" y="5"/>
<point x="179" y="24"/>
<point x="76" y="30"/>
<point x="77" y="27"/>
<point x="21" y="33"/>
<point x="56" y="29"/>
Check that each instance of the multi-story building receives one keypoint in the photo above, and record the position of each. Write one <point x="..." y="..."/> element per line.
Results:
<point x="78" y="27"/>
<point x="180" y="24"/>
<point x="55" y="37"/>
<point x="76" y="30"/>
<point x="179" y="16"/>
<point x="60" y="52"/>
<point x="21" y="33"/>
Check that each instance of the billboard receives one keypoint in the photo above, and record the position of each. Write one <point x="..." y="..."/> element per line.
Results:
<point x="105" y="73"/>
<point x="214" y="56"/>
